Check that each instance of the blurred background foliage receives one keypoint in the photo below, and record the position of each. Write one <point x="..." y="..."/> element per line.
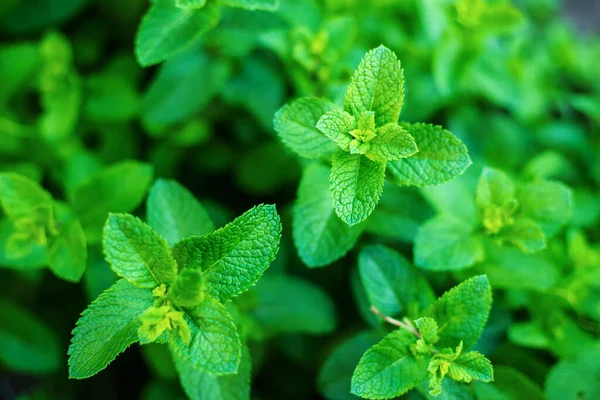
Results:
<point x="518" y="82"/>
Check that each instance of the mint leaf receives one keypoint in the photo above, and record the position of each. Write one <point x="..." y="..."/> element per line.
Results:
<point x="190" y="4"/>
<point x="446" y="244"/>
<point x="215" y="346"/>
<point x="267" y="5"/>
<point x="391" y="143"/>
<point x="166" y="30"/>
<point x="106" y="328"/>
<point x="36" y="255"/>
<point x="336" y="373"/>
<point x="27" y="345"/>
<point x="471" y="366"/>
<point x="462" y="312"/>
<point x="135" y="252"/>
<point x="549" y="204"/>
<point x="67" y="253"/>
<point x="495" y="188"/>
<point x="201" y="385"/>
<point x="234" y="257"/>
<point x="21" y="198"/>
<point x="526" y="234"/>
<point x="188" y="288"/>
<point x="174" y="213"/>
<point x="576" y="378"/>
<point x="94" y="198"/>
<point x="296" y="125"/>
<point x="285" y="304"/>
<point x="428" y="329"/>
<point x="319" y="235"/>
<point x="336" y="125"/>
<point x="441" y="157"/>
<point x="377" y="85"/>
<point x="356" y="184"/>
<point x="389" y="369"/>
<point x="392" y="284"/>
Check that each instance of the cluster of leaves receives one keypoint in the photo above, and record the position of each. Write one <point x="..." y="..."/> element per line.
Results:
<point x="297" y="103"/>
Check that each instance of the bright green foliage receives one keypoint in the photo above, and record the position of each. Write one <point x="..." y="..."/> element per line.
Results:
<point x="510" y="214"/>
<point x="190" y="4"/>
<point x="268" y="5"/>
<point x="389" y="369"/>
<point x="391" y="283"/>
<point x="296" y="125"/>
<point x="356" y="184"/>
<point x="508" y="384"/>
<point x="234" y="257"/>
<point x="441" y="157"/>
<point x="27" y="345"/>
<point x="67" y="254"/>
<point x="319" y="235"/>
<point x="174" y="213"/>
<point x="167" y="29"/>
<point x="162" y="300"/>
<point x="137" y="253"/>
<point x="574" y="379"/>
<point x="215" y="345"/>
<point x="199" y="385"/>
<point x="432" y="347"/>
<point x="369" y="138"/>
<point x="107" y="328"/>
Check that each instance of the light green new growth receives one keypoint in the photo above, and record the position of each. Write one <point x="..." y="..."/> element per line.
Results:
<point x="369" y="139"/>
<point x="432" y="347"/>
<point x="190" y="4"/>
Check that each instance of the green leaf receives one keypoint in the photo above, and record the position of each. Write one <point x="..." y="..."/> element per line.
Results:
<point x="462" y="312"/>
<point x="526" y="234"/>
<point x="37" y="254"/>
<point x="20" y="198"/>
<point x="234" y="257"/>
<point x="356" y="184"/>
<point x="446" y="244"/>
<point x="190" y="4"/>
<point x="184" y="85"/>
<point x="166" y="30"/>
<point x="94" y="198"/>
<point x="441" y="157"/>
<point x="296" y="125"/>
<point x="267" y="5"/>
<point x="573" y="379"/>
<point x="27" y="345"/>
<point x="106" y="328"/>
<point x="291" y="305"/>
<point x="392" y="284"/>
<point x="319" y="235"/>
<point x="135" y="252"/>
<point x="495" y="188"/>
<point x="188" y="288"/>
<point x="428" y="329"/>
<point x="389" y="369"/>
<point x="549" y="204"/>
<point x="201" y="385"/>
<point x="336" y="373"/>
<point x="215" y="346"/>
<point x="174" y="213"/>
<point x="471" y="366"/>
<point x="391" y="143"/>
<point x="377" y="85"/>
<point x="336" y="125"/>
<point x="508" y="384"/>
<point x="67" y="253"/>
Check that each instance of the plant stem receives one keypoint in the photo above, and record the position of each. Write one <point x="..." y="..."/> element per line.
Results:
<point x="405" y="323"/>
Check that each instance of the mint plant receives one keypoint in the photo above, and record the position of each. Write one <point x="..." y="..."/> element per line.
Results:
<point x="175" y="294"/>
<point x="522" y="215"/>
<point x="430" y="347"/>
